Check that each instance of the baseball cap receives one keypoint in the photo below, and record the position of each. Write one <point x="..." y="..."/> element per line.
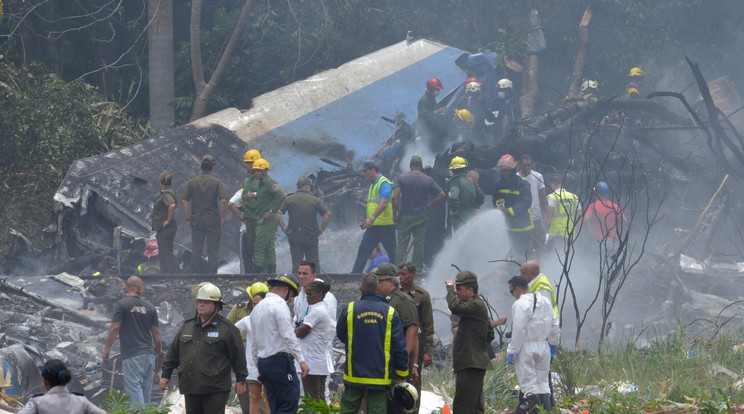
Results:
<point x="370" y="164"/>
<point x="208" y="158"/>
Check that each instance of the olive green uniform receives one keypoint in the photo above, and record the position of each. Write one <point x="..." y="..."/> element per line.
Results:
<point x="238" y="312"/>
<point x="250" y="219"/>
<point x="268" y="199"/>
<point x="204" y="357"/>
<point x="462" y="198"/>
<point x="422" y="299"/>
<point x="406" y="308"/>
<point x="302" y="229"/>
<point x="205" y="192"/>
<point x="165" y="235"/>
<point x="470" y="352"/>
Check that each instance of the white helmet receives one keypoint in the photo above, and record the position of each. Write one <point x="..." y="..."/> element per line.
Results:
<point x="209" y="292"/>
<point x="589" y="84"/>
<point x="505" y="84"/>
<point x="473" y="87"/>
<point x="405" y="395"/>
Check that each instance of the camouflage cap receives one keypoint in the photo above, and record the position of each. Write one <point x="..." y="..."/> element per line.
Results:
<point x="386" y="269"/>
<point x="466" y="276"/>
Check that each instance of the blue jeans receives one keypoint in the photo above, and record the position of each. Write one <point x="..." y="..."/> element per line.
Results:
<point x="279" y="375"/>
<point x="138" y="377"/>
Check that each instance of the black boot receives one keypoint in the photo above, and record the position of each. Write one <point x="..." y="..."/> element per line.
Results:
<point x="547" y="404"/>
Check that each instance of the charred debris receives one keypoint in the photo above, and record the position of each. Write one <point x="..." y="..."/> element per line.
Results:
<point x="689" y="148"/>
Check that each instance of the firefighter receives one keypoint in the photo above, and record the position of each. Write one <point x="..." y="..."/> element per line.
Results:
<point x="249" y="215"/>
<point x="151" y="265"/>
<point x="473" y="102"/>
<point x="564" y="212"/>
<point x="463" y="197"/>
<point x="635" y="82"/>
<point x="375" y="349"/>
<point x="431" y="124"/>
<point x="512" y="196"/>
<point x="506" y="108"/>
<point x="268" y="199"/>
<point x="590" y="91"/>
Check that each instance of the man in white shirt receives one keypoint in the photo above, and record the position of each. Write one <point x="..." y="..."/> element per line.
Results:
<point x="316" y="333"/>
<point x="275" y="346"/>
<point x="539" y="200"/>
<point x="306" y="274"/>
<point x="235" y="204"/>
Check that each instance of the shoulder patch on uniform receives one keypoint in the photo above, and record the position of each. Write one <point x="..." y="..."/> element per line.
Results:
<point x="274" y="187"/>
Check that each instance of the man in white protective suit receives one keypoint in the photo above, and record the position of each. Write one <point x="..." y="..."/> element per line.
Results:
<point x="533" y="321"/>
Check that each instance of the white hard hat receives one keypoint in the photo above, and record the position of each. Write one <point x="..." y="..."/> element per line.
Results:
<point x="209" y="291"/>
<point x="589" y="84"/>
<point x="504" y="84"/>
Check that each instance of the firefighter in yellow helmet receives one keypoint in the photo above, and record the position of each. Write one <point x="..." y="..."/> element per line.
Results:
<point x="244" y="208"/>
<point x="635" y="81"/>
<point x="633" y="91"/>
<point x="463" y="196"/>
<point x="269" y="197"/>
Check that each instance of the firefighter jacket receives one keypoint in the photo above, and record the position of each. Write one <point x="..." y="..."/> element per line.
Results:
<point x="375" y="343"/>
<point x="515" y="192"/>
<point x="564" y="214"/>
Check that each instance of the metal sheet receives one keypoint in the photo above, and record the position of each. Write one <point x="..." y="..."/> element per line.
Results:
<point x="329" y="115"/>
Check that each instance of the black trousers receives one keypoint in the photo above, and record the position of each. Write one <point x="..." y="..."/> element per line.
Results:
<point x="372" y="237"/>
<point x="213" y="403"/>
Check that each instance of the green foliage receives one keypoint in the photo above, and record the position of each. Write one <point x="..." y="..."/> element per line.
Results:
<point x="662" y="377"/>
<point x="119" y="403"/>
<point x="47" y="123"/>
<point x="309" y="405"/>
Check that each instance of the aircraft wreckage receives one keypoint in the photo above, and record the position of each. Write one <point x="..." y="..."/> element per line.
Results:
<point x="689" y="150"/>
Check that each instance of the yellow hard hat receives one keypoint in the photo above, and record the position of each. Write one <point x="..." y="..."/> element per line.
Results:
<point x="251" y="155"/>
<point x="465" y="116"/>
<point x="457" y="163"/>
<point x="260" y="164"/>
<point x="636" y="71"/>
<point x="209" y="292"/>
<point x="257" y="288"/>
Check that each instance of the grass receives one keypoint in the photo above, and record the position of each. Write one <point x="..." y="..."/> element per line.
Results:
<point x="664" y="377"/>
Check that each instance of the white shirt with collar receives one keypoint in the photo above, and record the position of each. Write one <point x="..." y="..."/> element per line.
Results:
<point x="272" y="330"/>
<point x="315" y="345"/>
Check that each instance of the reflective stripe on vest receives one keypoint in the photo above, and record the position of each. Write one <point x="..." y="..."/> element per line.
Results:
<point x="563" y="216"/>
<point x="542" y="283"/>
<point x="373" y="200"/>
<point x="349" y="376"/>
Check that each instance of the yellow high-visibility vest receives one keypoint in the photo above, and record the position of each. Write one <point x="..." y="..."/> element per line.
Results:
<point x="373" y="200"/>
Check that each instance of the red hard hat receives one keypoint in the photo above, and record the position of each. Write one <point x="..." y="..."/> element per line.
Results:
<point x="473" y="79"/>
<point x="434" y="83"/>
<point x="151" y="250"/>
<point x="507" y="161"/>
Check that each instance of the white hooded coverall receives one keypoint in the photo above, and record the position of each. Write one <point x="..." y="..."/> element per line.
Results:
<point x="533" y="320"/>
